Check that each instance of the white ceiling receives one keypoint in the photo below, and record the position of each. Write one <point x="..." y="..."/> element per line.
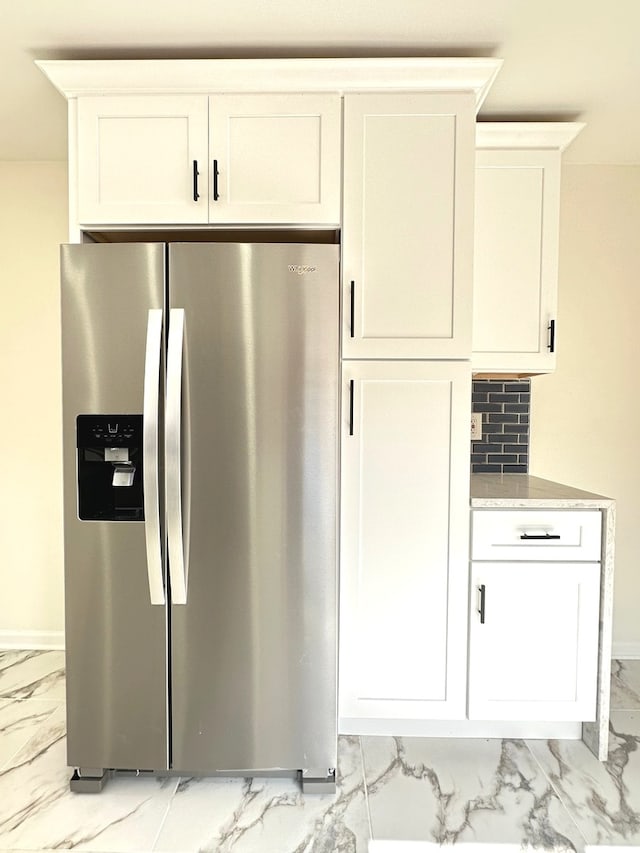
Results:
<point x="575" y="60"/>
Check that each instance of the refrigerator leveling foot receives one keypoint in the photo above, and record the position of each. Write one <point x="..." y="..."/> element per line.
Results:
<point x="319" y="782"/>
<point x="89" y="781"/>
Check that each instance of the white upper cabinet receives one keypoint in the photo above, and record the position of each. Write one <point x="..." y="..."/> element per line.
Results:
<point x="275" y="158"/>
<point x="259" y="142"/>
<point x="515" y="272"/>
<point x="189" y="159"/>
<point x="137" y="158"/>
<point x="408" y="225"/>
<point x="404" y="542"/>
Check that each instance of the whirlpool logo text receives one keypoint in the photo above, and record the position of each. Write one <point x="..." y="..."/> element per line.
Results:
<point x="301" y="269"/>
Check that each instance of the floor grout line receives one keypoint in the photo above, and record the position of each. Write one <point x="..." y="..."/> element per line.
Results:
<point x="365" y="787"/>
<point x="557" y="793"/>
<point x="166" y="814"/>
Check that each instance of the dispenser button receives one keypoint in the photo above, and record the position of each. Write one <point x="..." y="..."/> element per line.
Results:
<point x="116" y="454"/>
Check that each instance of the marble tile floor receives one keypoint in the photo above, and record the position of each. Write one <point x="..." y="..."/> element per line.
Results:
<point x="417" y="793"/>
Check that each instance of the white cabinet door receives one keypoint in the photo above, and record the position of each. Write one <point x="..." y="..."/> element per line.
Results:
<point x="275" y="159"/>
<point x="533" y="641"/>
<point x="408" y="225"/>
<point x="404" y="540"/>
<point x="515" y="275"/>
<point x="137" y="158"/>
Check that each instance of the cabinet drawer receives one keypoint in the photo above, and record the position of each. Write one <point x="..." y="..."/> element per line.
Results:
<point x="535" y="534"/>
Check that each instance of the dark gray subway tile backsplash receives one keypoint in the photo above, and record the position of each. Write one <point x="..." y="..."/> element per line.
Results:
<point x="504" y="447"/>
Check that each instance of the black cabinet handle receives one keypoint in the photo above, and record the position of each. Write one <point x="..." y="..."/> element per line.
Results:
<point x="351" y="383"/>
<point x="216" y="194"/>
<point x="353" y="307"/>
<point x="482" y="591"/>
<point x="544" y="536"/>
<point x="196" y="194"/>
<point x="551" y="328"/>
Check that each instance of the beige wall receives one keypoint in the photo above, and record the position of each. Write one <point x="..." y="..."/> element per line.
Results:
<point x="586" y="416"/>
<point x="33" y="222"/>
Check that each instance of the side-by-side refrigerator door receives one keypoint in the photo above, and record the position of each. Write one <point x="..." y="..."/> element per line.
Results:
<point x="251" y="462"/>
<point x="116" y="613"/>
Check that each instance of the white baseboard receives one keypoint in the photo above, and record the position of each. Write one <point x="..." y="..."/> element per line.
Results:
<point x="536" y="730"/>
<point x="32" y="640"/>
<point x="625" y="651"/>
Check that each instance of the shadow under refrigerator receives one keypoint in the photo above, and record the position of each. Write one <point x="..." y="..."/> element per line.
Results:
<point x="200" y="406"/>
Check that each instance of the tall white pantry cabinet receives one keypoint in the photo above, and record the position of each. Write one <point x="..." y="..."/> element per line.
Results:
<point x="407" y="266"/>
<point x="158" y="146"/>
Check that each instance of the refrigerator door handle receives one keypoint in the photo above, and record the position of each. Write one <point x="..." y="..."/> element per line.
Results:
<point x="173" y="457"/>
<point x="151" y="486"/>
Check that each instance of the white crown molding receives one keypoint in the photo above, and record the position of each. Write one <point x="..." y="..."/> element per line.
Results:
<point x="73" y="78"/>
<point x="520" y="134"/>
<point x="31" y="639"/>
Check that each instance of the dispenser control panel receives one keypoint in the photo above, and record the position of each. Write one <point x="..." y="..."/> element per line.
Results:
<point x="110" y="465"/>
<point x="109" y="430"/>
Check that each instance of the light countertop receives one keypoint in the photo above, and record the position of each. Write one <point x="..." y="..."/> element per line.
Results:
<point x="523" y="490"/>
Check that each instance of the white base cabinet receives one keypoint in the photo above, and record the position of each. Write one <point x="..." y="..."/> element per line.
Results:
<point x="534" y="614"/>
<point x="404" y="540"/>
<point x="533" y="641"/>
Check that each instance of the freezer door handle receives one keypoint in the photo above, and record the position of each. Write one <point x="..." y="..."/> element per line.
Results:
<point x="173" y="458"/>
<point x="150" y="455"/>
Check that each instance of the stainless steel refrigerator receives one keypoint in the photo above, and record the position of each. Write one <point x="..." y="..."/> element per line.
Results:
<point x="200" y="401"/>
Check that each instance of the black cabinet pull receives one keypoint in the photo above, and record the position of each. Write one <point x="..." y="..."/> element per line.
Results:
<point x="544" y="536"/>
<point x="353" y="307"/>
<point x="551" y="328"/>
<point x="196" y="194"/>
<point x="216" y="194"/>
<point x="351" y="383"/>
<point x="482" y="591"/>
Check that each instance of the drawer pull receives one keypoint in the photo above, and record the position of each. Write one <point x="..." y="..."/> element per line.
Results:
<point x="544" y="536"/>
<point x="482" y="591"/>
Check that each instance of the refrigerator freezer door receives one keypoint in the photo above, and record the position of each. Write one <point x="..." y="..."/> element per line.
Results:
<point x="254" y="648"/>
<point x="116" y="642"/>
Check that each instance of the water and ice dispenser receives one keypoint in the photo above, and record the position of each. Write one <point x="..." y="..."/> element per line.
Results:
<point x="110" y="467"/>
